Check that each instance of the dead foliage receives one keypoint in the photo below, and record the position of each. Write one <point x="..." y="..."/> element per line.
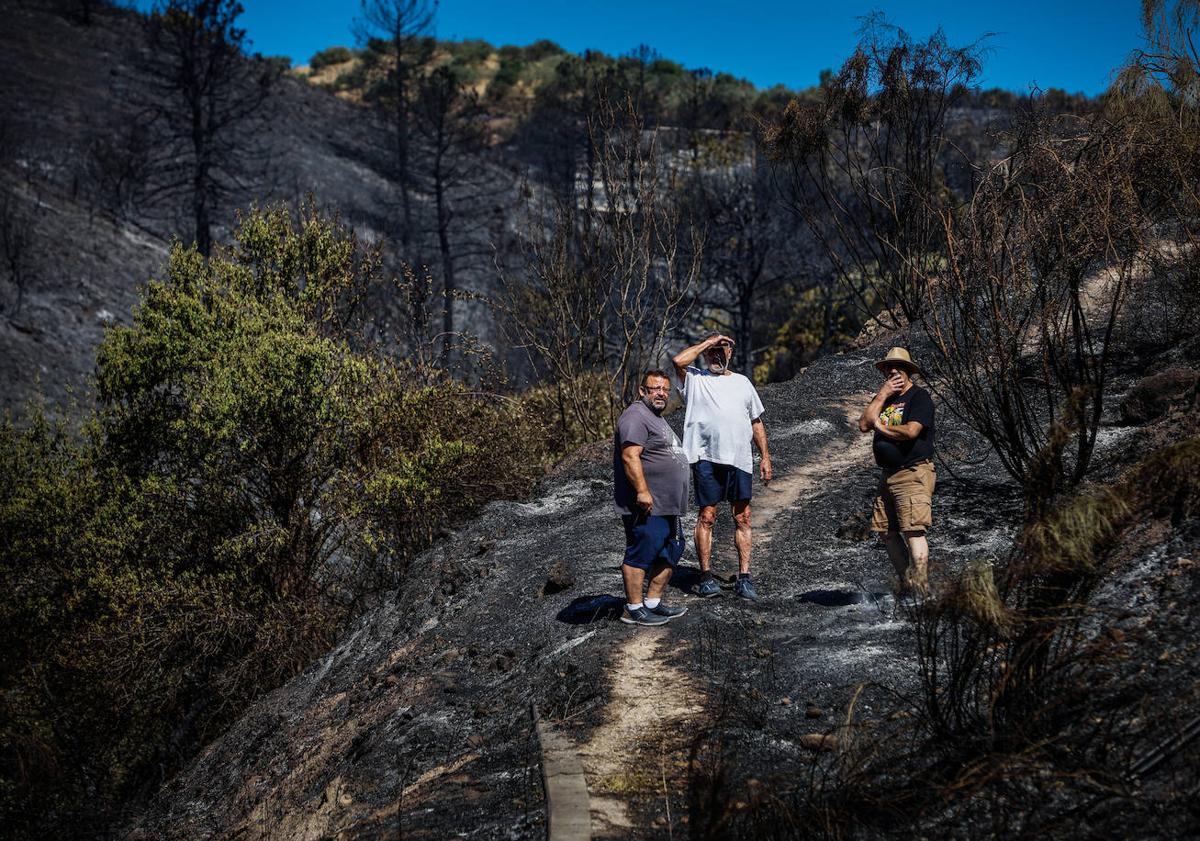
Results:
<point x="1023" y="311"/>
<point x="869" y="164"/>
<point x="1031" y="716"/>
<point x="1047" y="704"/>
<point x="607" y="273"/>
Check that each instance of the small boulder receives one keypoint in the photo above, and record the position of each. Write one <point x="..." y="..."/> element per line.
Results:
<point x="813" y="712"/>
<point x="558" y="578"/>
<point x="1155" y="395"/>
<point x="819" y="741"/>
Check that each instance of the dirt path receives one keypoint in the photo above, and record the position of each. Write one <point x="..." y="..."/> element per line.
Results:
<point x="842" y="454"/>
<point x="616" y="759"/>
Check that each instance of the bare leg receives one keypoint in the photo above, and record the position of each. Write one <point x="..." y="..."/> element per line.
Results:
<point x="742" y="537"/>
<point x="704" y="524"/>
<point x="897" y="551"/>
<point x="634" y="578"/>
<point x="660" y="574"/>
<point x="918" y="552"/>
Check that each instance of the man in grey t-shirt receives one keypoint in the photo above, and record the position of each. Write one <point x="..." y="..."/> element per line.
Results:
<point x="650" y="478"/>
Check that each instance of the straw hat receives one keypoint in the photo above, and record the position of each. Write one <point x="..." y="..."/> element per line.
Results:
<point x="898" y="356"/>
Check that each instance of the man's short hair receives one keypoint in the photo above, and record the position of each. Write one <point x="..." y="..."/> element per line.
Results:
<point x="653" y="372"/>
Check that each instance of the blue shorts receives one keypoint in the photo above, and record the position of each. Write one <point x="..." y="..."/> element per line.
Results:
<point x="717" y="482"/>
<point x="647" y="538"/>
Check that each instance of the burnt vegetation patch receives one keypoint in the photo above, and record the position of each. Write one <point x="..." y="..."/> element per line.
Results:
<point x="1056" y="681"/>
<point x="1056" y="694"/>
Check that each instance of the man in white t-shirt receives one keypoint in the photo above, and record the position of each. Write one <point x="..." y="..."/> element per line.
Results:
<point x="724" y="415"/>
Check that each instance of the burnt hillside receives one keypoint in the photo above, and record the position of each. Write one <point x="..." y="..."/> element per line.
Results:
<point x="86" y="220"/>
<point x="293" y="578"/>
<point x="78" y="250"/>
<point x="737" y="720"/>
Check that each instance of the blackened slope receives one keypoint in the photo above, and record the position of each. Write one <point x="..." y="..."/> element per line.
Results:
<point x="65" y="89"/>
<point x="420" y="716"/>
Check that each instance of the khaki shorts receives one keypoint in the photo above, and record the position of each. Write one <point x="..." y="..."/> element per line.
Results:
<point x="905" y="499"/>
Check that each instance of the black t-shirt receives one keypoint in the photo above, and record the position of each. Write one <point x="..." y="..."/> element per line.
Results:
<point x="913" y="405"/>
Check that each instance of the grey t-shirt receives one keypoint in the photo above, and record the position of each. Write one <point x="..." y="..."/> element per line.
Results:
<point x="663" y="463"/>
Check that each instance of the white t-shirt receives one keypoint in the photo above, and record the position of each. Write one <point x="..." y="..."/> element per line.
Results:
<point x="716" y="426"/>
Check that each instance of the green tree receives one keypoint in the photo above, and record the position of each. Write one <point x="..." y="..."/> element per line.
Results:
<point x="253" y="475"/>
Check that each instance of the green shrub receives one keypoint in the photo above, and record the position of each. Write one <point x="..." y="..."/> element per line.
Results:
<point x="330" y="56"/>
<point x="511" y="65"/>
<point x="572" y="412"/>
<point x="470" y="52"/>
<point x="541" y="49"/>
<point x="810" y="321"/>
<point x="252" y="475"/>
<point x="668" y="69"/>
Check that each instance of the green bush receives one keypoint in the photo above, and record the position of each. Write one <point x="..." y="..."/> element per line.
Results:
<point x="330" y="56"/>
<point x="470" y="52"/>
<point x="573" y="412"/>
<point x="252" y="475"/>
<point x="541" y="49"/>
<point x="815" y="319"/>
<point x="509" y="73"/>
<point x="668" y="69"/>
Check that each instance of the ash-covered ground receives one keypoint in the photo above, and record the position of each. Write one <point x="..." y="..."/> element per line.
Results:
<point x="420" y="723"/>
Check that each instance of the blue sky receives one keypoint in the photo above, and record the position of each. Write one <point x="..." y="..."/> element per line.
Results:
<point x="1070" y="45"/>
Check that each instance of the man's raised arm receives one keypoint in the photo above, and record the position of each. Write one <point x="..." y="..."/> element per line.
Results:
<point x="689" y="355"/>
<point x="868" y="420"/>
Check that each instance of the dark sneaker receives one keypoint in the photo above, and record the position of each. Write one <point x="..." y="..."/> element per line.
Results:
<point x="708" y="588"/>
<point x="643" y="616"/>
<point x="743" y="589"/>
<point x="669" y="612"/>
